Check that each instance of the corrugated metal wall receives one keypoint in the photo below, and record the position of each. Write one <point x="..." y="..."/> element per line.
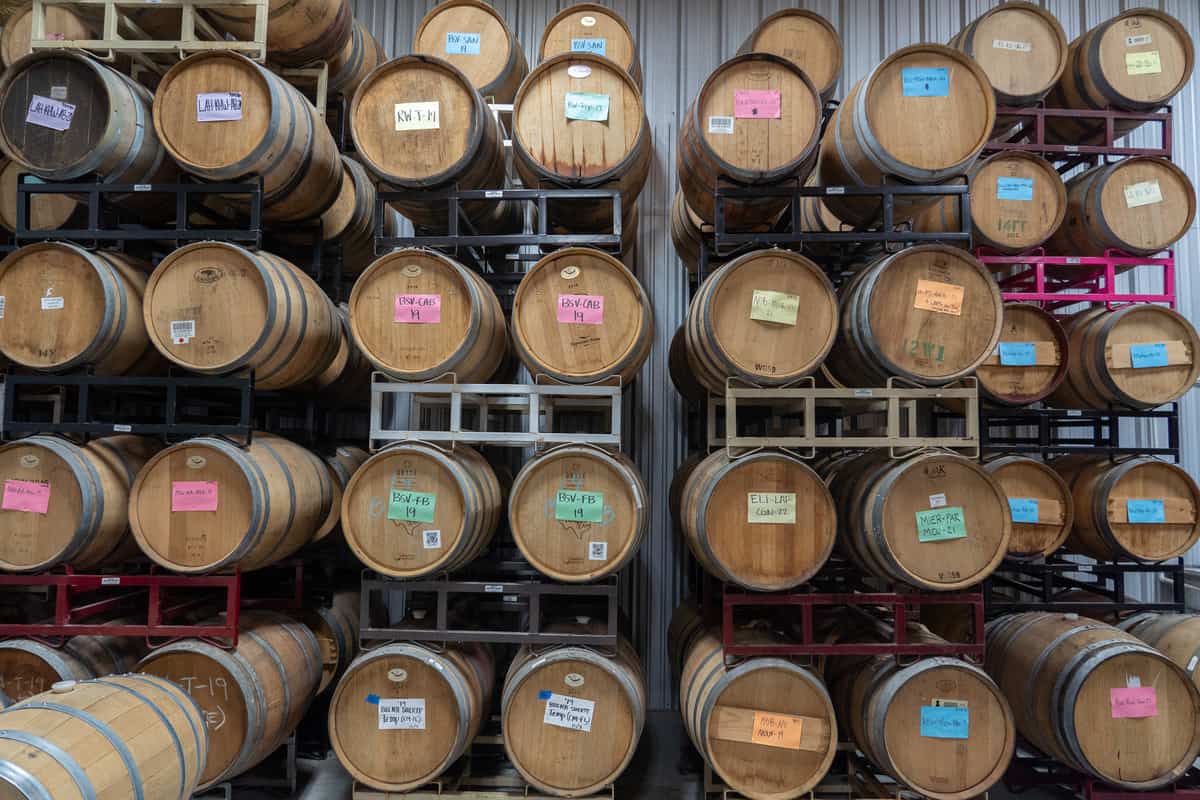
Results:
<point x="680" y="42"/>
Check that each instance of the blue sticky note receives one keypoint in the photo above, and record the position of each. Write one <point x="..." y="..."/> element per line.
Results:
<point x="1148" y="355"/>
<point x="543" y="695"/>
<point x="925" y="81"/>
<point x="1024" y="509"/>
<point x="373" y="699"/>
<point x="1014" y="188"/>
<point x="462" y="44"/>
<point x="1145" y="512"/>
<point x="945" y="722"/>
<point x="597" y="46"/>
<point x="1018" y="354"/>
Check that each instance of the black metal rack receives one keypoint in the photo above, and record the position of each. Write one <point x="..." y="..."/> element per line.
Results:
<point x="1057" y="431"/>
<point x="1040" y="586"/>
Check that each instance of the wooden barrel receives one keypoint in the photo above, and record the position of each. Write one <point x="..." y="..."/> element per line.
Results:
<point x="251" y="697"/>
<point x="346" y="459"/>
<point x="1030" y="360"/>
<point x="930" y="314"/>
<point x="361" y="53"/>
<point x="66" y="307"/>
<point x="133" y="736"/>
<point x="763" y="521"/>
<point x="298" y="31"/>
<point x="583" y="736"/>
<point x="934" y="520"/>
<point x="1018" y="200"/>
<point x="1135" y="61"/>
<point x="687" y="232"/>
<point x="66" y="503"/>
<point x="815" y="217"/>
<point x="592" y="28"/>
<point x="205" y="504"/>
<point x="1176" y="636"/>
<point x="771" y="138"/>
<point x="29" y="667"/>
<point x="1138" y="508"/>
<point x="804" y="38"/>
<point x="729" y="710"/>
<point x="1137" y="356"/>
<point x="215" y="308"/>
<point x="274" y="133"/>
<point x="1020" y="46"/>
<point x="578" y="513"/>
<point x="46" y="211"/>
<point x="61" y="23"/>
<point x="336" y="629"/>
<point x="1138" y="205"/>
<point x="418" y="314"/>
<point x="883" y="128"/>
<point x="685" y="628"/>
<point x="473" y="36"/>
<point x="423" y="708"/>
<point x="579" y="316"/>
<point x="1039" y="503"/>
<point x="747" y="321"/>
<point x="347" y="379"/>
<point x="350" y="221"/>
<point x="1084" y="693"/>
<point x="414" y="509"/>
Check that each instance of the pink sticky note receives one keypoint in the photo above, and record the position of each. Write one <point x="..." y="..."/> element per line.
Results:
<point x="757" y="104"/>
<point x="581" y="309"/>
<point x="418" y="309"/>
<point x="1133" y="702"/>
<point x="193" y="495"/>
<point x="26" y="496"/>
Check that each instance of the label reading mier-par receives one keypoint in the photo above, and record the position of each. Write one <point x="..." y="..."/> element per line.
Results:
<point x="941" y="524"/>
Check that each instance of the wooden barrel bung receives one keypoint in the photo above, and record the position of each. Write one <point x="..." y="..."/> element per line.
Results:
<point x="1137" y="356"/>
<point x="578" y="513"/>
<point x="222" y="116"/>
<point x="1095" y="698"/>
<point x="61" y="23"/>
<point x="1020" y="46"/>
<point x="918" y="95"/>
<point x="215" y="307"/>
<point x="768" y="317"/>
<point x="251" y="697"/>
<point x="418" y="314"/>
<point x="414" y="509"/>
<point x="592" y="28"/>
<point x="934" y="520"/>
<point x="930" y="314"/>
<point x="1018" y="200"/>
<point x="756" y="121"/>
<point x="764" y="521"/>
<point x="804" y="38"/>
<point x="728" y="711"/>
<point x="1135" y="61"/>
<point x="583" y="736"/>
<point x="1039" y="502"/>
<point x="1030" y="360"/>
<point x="1137" y="205"/>
<point x="132" y="736"/>
<point x="1139" y="508"/>
<point x="298" y="31"/>
<point x="205" y="504"/>
<point x="579" y="316"/>
<point x="422" y="709"/>
<point x="473" y="36"/>
<point x="46" y="211"/>
<point x="344" y="462"/>
<point x="1176" y="636"/>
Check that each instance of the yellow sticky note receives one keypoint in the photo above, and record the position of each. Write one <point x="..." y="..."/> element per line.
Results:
<point x="775" y="307"/>
<point x="944" y="298"/>
<point x="777" y="730"/>
<point x="1146" y="63"/>
<point x="771" y="508"/>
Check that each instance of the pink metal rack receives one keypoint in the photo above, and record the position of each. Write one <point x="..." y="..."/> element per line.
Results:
<point x="1055" y="282"/>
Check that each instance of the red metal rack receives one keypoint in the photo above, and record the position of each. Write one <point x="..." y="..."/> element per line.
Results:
<point x="1055" y="282"/>
<point x="1030" y="133"/>
<point x="1029" y="770"/>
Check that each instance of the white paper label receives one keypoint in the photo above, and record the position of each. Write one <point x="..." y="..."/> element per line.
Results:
<point x="1016" y="47"/>
<point x="573" y="713"/>
<point x="58" y="92"/>
<point x="1143" y="194"/>
<point x="182" y="330"/>
<point x="937" y="500"/>
<point x="143" y="187"/>
<point x="52" y="303"/>
<point x="47" y="113"/>
<point x="432" y="540"/>
<point x="423" y="116"/>
<point x="110" y="580"/>
<point x="1133" y="682"/>
<point x="494" y="194"/>
<point x="1192" y="663"/>
<point x="493" y="588"/>
<point x="722" y="125"/>
<point x="122" y="429"/>
<point x="218" y="106"/>
<point x="1" y="306"/>
<point x="597" y="551"/>
<point x="402" y="714"/>
<point x="1136" y="41"/>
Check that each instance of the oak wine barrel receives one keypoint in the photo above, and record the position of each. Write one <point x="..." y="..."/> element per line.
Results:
<point x="578" y="513"/>
<point x="61" y="23"/>
<point x="934" y="520"/>
<point x="1095" y="698"/>
<point x="252" y="697"/>
<point x="1136" y="356"/>
<point x="29" y="667"/>
<point x="756" y="121"/>
<point x="920" y="94"/>
<point x="347" y="379"/>
<point x="1030" y="360"/>
<point x="336" y="629"/>
<point x="418" y="314"/>
<point x="930" y="314"/>
<point x="133" y="736"/>
<point x="395" y="743"/>
<point x="687" y="232"/>
<point x="815" y="217"/>
<point x="361" y="53"/>
<point x="473" y="36"/>
<point x="1139" y="508"/>
<point x="346" y="459"/>
<point x="46" y="211"/>
<point x="222" y="116"/>
<point x="298" y="31"/>
<point x="414" y="509"/>
<point x="1021" y="47"/>
<point x="583" y="736"/>
<point x="592" y="28"/>
<point x="764" y="521"/>
<point x="205" y="504"/>
<point x="804" y="38"/>
<point x="216" y="307"/>
<point x="1039" y="502"/>
<point x="1176" y="636"/>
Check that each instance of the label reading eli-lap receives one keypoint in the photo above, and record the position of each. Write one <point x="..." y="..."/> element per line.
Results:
<point x="942" y="298"/>
<point x="573" y="713"/>
<point x="1136" y="702"/>
<point x="590" y="45"/>
<point x="777" y="730"/>
<point x="1145" y="193"/>
<point x="1142" y="356"/>
<point x="1023" y="509"/>
<point x="941" y="524"/>
<point x="945" y="722"/>
<point x="1147" y="63"/>
<point x="402" y="714"/>
<point x="422" y="116"/>
<point x="925" y="81"/>
<point x="28" y="496"/>
<point x="462" y="44"/>
<point x="587" y="106"/>
<point x="1014" y="188"/>
<point x="1145" y="512"/>
<point x="47" y="113"/>
<point x="757" y="104"/>
<point x="194" y="495"/>
<point x="218" y="106"/>
<point x="407" y="506"/>
<point x="418" y="309"/>
<point x="1017" y="354"/>
<point x="573" y="506"/>
<point x="779" y="307"/>
<point x="581" y="309"/>
<point x="771" y="508"/>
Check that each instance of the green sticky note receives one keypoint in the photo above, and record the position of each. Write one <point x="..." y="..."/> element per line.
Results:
<point x="572" y="506"/>
<point x="587" y="106"/>
<point x="775" y="307"/>
<point x="941" y="524"/>
<point x="411" y="506"/>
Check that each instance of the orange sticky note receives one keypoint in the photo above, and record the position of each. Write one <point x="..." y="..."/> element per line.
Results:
<point x="777" y="730"/>
<point x="944" y="298"/>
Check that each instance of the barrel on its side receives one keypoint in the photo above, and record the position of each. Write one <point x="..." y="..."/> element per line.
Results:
<point x="1020" y="46"/>
<point x="344" y="462"/>
<point x="336" y="629"/>
<point x="806" y="39"/>
<point x="61" y="22"/>
<point x="1176" y="636"/>
<point x="592" y="28"/>
<point x="361" y="53"/>
<point x="29" y="667"/>
<point x="1039" y="503"/>
<point x="473" y="36"/>
<point x="1030" y="360"/>
<point x="298" y="31"/>
<point x="46" y="211"/>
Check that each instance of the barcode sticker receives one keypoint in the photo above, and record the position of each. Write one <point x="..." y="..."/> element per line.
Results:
<point x="1" y="306"/>
<point x="142" y="187"/>
<point x="721" y="125"/>
<point x="432" y="540"/>
<point x="122" y="429"/>
<point x="1136" y="41"/>
<point x="183" y="330"/>
<point x="52" y="303"/>
<point x="218" y="106"/>
<point x="597" y="551"/>
<point x="835" y="190"/>
<point x="937" y="500"/>
<point x="493" y="194"/>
